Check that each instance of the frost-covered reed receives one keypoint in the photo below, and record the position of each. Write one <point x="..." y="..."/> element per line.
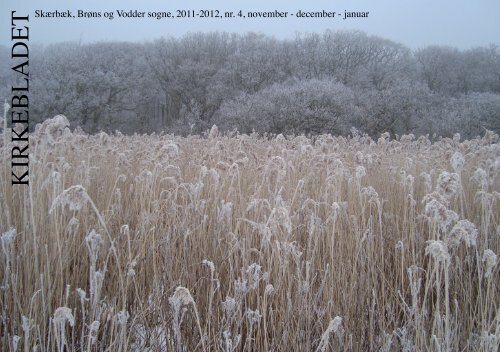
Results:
<point x="231" y="242"/>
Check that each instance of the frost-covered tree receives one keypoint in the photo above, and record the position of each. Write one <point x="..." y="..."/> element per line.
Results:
<point x="89" y="83"/>
<point x="307" y="106"/>
<point x="316" y="82"/>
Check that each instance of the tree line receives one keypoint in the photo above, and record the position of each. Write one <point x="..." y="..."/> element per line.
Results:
<point x="315" y="83"/>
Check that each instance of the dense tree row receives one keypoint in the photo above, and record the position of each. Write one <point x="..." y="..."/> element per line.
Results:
<point x="315" y="83"/>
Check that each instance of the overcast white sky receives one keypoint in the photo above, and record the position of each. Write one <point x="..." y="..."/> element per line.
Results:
<point x="415" y="23"/>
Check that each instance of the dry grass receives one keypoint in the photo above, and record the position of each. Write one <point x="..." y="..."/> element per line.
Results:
<point x="233" y="243"/>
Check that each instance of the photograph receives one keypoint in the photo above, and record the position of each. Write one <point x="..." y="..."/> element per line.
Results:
<point x="275" y="176"/>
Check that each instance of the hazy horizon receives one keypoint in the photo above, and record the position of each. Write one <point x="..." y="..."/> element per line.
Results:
<point x="463" y="25"/>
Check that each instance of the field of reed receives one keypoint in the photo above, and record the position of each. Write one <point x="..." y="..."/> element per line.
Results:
<point x="231" y="242"/>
